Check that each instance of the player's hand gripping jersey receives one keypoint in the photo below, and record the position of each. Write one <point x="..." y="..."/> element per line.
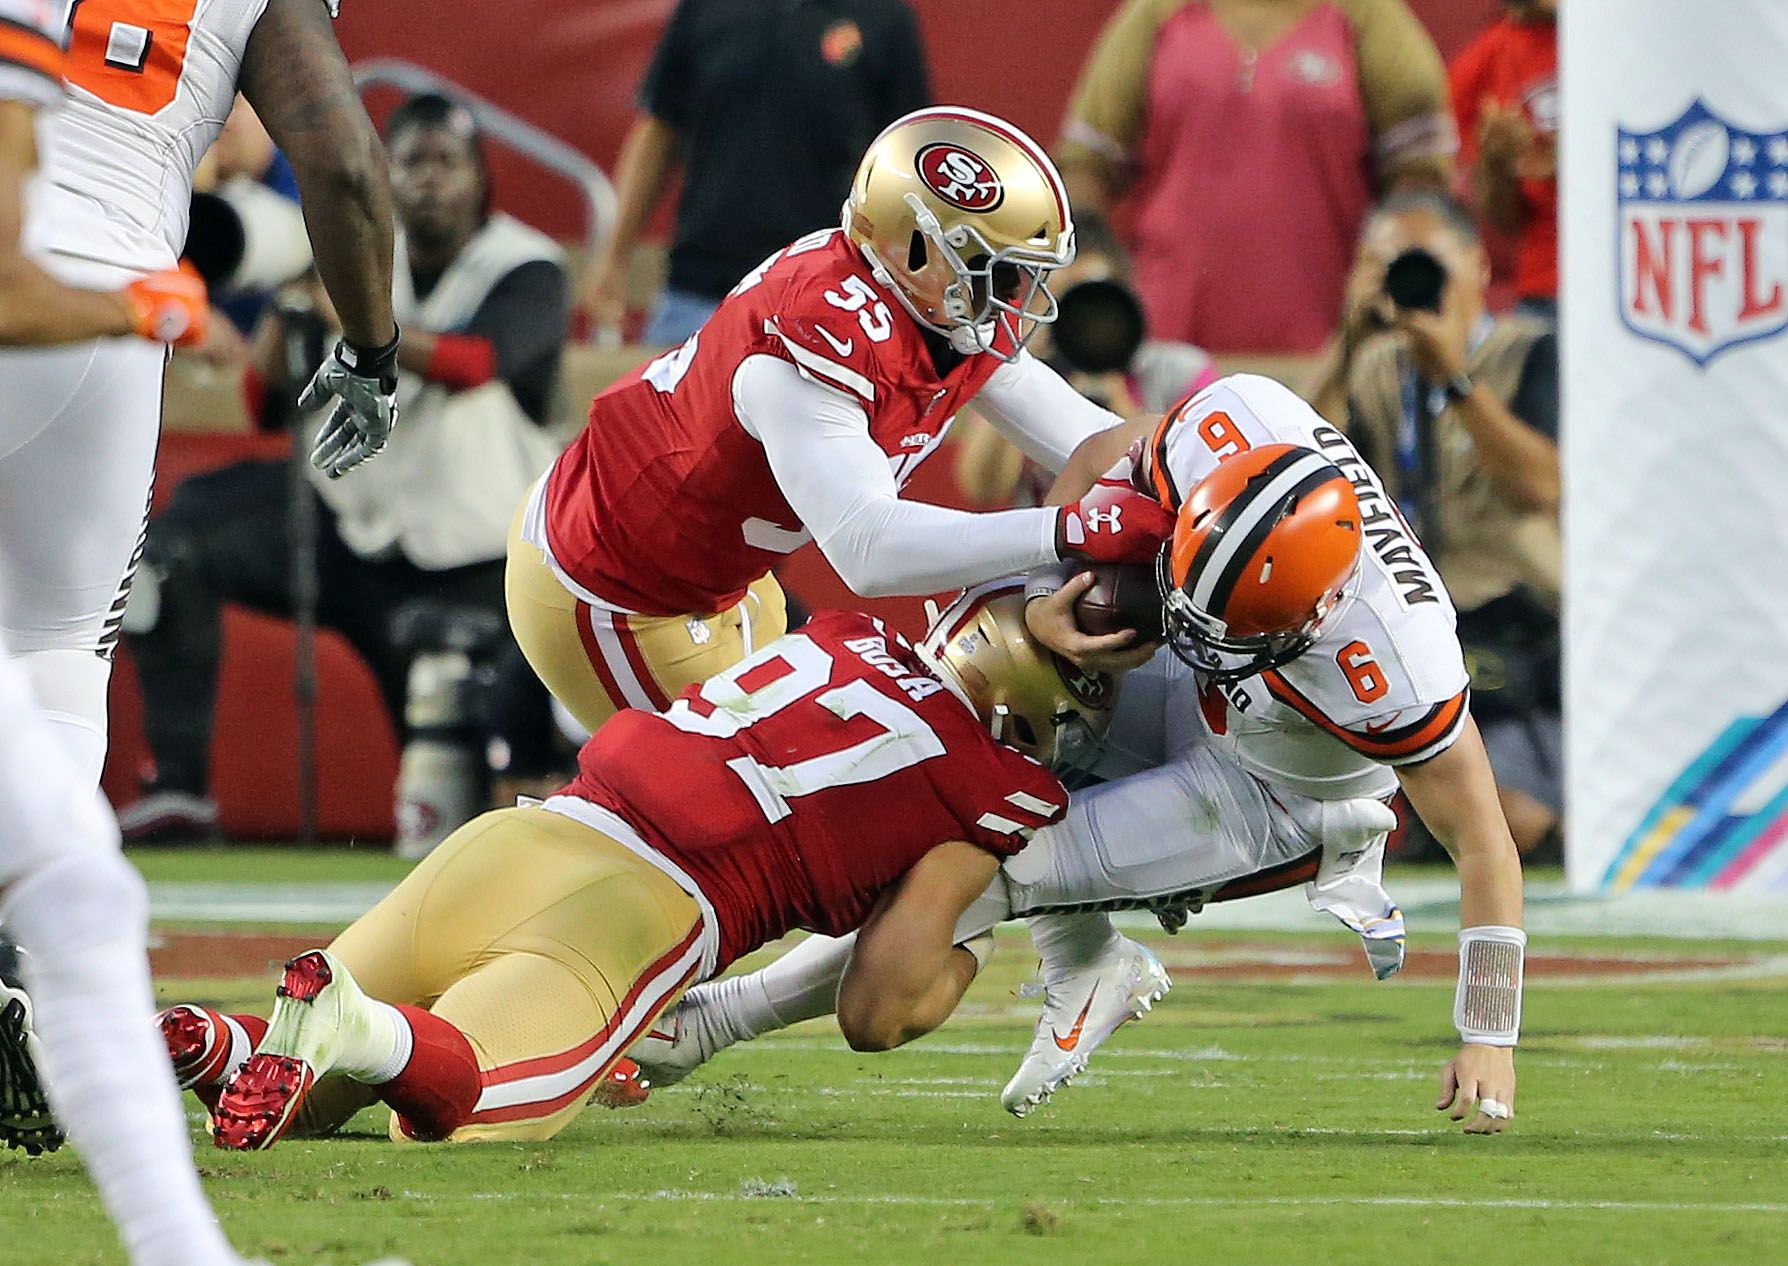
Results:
<point x="796" y="788"/>
<point x="1385" y="682"/>
<point x="149" y="86"/>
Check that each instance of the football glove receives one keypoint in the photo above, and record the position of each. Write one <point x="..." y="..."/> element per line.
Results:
<point x="363" y="384"/>
<point x="1113" y="523"/>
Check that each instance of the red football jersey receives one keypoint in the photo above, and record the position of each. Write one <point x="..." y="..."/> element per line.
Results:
<point x="796" y="787"/>
<point x="664" y="504"/>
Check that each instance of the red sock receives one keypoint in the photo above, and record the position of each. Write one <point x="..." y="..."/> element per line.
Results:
<point x="438" y="1089"/>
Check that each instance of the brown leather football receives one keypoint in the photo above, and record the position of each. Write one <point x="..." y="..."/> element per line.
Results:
<point x="1123" y="596"/>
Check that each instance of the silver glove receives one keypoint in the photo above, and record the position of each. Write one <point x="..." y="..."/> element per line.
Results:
<point x="363" y="385"/>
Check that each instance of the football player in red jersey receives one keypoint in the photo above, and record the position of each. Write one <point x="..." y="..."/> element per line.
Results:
<point x="837" y="779"/>
<point x="641" y="562"/>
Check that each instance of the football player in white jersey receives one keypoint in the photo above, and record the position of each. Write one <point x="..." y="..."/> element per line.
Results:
<point x="148" y="88"/>
<point x="65" y="889"/>
<point x="1313" y="668"/>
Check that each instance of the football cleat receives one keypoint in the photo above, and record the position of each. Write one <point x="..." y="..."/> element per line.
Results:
<point x="318" y="1015"/>
<point x="1080" y="1010"/>
<point x="25" y="1118"/>
<point x="623" y="1086"/>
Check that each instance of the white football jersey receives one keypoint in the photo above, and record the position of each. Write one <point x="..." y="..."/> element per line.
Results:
<point x="1385" y="682"/>
<point x="149" y="84"/>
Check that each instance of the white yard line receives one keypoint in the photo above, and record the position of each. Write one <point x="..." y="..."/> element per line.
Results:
<point x="1128" y="1202"/>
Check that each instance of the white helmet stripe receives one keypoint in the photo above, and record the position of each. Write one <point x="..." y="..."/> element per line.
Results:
<point x="1261" y="503"/>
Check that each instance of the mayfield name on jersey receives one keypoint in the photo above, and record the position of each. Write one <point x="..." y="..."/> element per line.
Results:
<point x="1385" y="683"/>
<point x="798" y="786"/>
<point x="666" y="504"/>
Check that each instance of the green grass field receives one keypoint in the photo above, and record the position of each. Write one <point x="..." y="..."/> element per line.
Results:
<point x="1268" y="1112"/>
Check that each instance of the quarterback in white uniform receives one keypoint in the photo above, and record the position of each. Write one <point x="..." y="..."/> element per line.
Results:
<point x="148" y="88"/>
<point x="1313" y="668"/>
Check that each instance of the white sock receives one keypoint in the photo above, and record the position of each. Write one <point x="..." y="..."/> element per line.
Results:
<point x="801" y="985"/>
<point x="1067" y="942"/>
<point x="82" y="919"/>
<point x="382" y="1048"/>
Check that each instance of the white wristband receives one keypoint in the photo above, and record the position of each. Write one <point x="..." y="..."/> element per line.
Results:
<point x="1487" y="1004"/>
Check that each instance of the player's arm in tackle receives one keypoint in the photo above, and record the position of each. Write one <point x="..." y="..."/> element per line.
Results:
<point x="837" y="480"/>
<point x="1455" y="794"/>
<point x="1053" y="591"/>
<point x="907" y="972"/>
<point x="38" y="310"/>
<point x="294" y="75"/>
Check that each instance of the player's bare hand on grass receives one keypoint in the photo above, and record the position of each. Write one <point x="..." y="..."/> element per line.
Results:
<point x="1483" y="1076"/>
<point x="1051" y="621"/>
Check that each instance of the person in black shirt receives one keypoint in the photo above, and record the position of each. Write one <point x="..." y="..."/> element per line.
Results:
<point x="766" y="107"/>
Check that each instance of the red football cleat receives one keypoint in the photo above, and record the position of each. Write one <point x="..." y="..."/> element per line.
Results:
<point x="623" y="1086"/>
<point x="260" y="1101"/>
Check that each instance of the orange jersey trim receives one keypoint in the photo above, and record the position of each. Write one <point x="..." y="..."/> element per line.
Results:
<point x="30" y="49"/>
<point x="1163" y="482"/>
<point x="1404" y="741"/>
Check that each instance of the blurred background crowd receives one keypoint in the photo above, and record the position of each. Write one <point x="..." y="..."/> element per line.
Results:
<point x="1355" y="196"/>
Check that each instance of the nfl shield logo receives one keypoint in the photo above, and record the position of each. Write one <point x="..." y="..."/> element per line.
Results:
<point x="1703" y="208"/>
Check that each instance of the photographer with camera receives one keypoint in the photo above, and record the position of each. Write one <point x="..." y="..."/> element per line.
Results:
<point x="1457" y="411"/>
<point x="1099" y="342"/>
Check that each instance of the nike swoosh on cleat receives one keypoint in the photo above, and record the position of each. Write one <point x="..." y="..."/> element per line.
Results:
<point x="1073" y="1039"/>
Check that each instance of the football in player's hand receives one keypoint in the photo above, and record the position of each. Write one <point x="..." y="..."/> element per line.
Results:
<point x="1122" y="596"/>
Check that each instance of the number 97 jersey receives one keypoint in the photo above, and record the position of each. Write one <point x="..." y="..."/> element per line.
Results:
<point x="1385" y="682"/>
<point x="149" y="85"/>
<point x="797" y="787"/>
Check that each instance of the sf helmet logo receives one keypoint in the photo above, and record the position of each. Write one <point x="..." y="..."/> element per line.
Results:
<point x="960" y="177"/>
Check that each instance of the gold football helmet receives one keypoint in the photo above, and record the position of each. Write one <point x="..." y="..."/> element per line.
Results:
<point x="1030" y="697"/>
<point x="963" y="216"/>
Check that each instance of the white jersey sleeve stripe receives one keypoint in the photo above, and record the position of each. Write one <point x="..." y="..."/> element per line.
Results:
<point x="829" y="372"/>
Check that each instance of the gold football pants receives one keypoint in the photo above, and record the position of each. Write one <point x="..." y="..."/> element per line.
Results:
<point x="549" y="945"/>
<point x="598" y="662"/>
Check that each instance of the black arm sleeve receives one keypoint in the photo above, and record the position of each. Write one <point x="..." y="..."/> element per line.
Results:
<point x="1536" y="395"/>
<point x="906" y="84"/>
<point x="526" y="317"/>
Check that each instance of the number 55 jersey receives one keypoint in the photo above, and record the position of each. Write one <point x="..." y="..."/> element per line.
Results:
<point x="795" y="789"/>
<point x="1385" y="682"/>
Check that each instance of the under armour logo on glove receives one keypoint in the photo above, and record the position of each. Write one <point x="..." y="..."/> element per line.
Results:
<point x="1113" y="523"/>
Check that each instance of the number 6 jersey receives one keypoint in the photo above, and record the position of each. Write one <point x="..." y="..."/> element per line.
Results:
<point x="797" y="787"/>
<point x="1385" y="682"/>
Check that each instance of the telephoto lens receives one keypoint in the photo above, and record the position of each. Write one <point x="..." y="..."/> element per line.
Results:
<point x="1098" y="328"/>
<point x="1416" y="279"/>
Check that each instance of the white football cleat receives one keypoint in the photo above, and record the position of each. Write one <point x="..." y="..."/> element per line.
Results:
<point x="1081" y="1010"/>
<point x="320" y="1019"/>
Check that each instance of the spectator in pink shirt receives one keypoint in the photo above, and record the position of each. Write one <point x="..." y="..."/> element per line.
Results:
<point x="1250" y="138"/>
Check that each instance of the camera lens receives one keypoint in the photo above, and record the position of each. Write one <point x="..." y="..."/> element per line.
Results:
<point x="1099" y="327"/>
<point x="1415" y="279"/>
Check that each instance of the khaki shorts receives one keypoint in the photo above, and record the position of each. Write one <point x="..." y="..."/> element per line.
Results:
<point x="551" y="946"/>
<point x="598" y="662"/>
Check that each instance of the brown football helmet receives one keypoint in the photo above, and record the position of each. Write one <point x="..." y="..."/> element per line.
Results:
<point x="964" y="217"/>
<point x="1031" y="698"/>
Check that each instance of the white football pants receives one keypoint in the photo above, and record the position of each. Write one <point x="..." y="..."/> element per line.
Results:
<point x="78" y="429"/>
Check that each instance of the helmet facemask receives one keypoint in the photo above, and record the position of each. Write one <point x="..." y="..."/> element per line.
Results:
<point x="1203" y="642"/>
<point x="986" y="289"/>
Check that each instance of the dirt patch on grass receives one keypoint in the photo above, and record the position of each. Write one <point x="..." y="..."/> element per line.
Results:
<point x="194" y="955"/>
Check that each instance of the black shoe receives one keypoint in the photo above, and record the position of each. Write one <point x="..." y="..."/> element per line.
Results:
<point x="25" y="1118"/>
